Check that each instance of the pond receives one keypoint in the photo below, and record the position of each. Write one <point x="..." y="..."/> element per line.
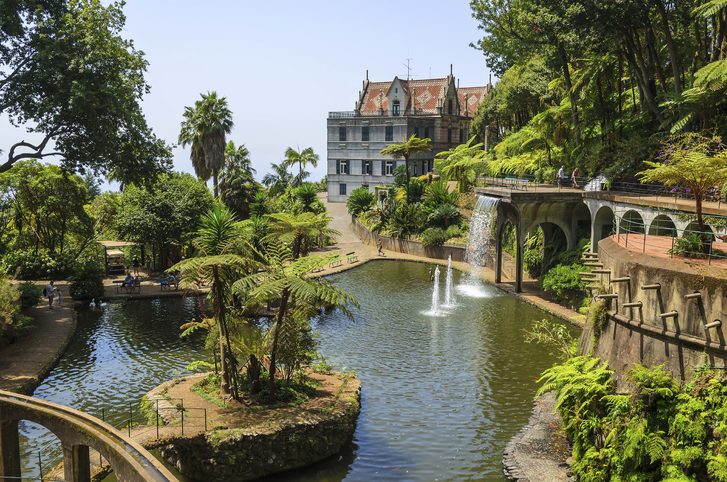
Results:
<point x="441" y="396"/>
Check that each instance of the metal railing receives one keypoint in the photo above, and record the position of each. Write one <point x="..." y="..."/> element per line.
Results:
<point x="529" y="182"/>
<point x="662" y="237"/>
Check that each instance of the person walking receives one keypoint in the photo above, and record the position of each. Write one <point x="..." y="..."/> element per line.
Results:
<point x="380" y="247"/>
<point x="59" y="298"/>
<point x="560" y="175"/>
<point x="135" y="264"/>
<point x="574" y="178"/>
<point x="49" y="292"/>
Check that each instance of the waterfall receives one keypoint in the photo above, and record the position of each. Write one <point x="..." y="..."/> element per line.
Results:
<point x="483" y="220"/>
<point x="449" y="301"/>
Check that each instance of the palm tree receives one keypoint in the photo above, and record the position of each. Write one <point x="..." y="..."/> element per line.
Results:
<point x="204" y="127"/>
<point x="285" y="282"/>
<point x="237" y="185"/>
<point x="405" y="150"/>
<point x="298" y="229"/>
<point x="220" y="261"/>
<point x="277" y="180"/>
<point x="303" y="158"/>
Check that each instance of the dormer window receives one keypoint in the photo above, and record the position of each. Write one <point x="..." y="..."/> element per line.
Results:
<point x="395" y="108"/>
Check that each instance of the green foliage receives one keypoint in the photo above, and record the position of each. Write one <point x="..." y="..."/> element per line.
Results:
<point x="12" y="322"/>
<point x="689" y="245"/>
<point x="30" y="294"/>
<point x="434" y="237"/>
<point x="554" y="336"/>
<point x="70" y="77"/>
<point x="307" y="195"/>
<point x="597" y="319"/>
<point x="238" y="189"/>
<point x="27" y="264"/>
<point x="533" y="262"/>
<point x="564" y="282"/>
<point x="165" y="214"/>
<point x="359" y="201"/>
<point x="661" y="431"/>
<point x="405" y="220"/>
<point x="87" y="282"/>
<point x="302" y="158"/>
<point x="444" y="215"/>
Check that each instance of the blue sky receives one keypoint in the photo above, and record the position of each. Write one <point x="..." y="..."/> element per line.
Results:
<point x="284" y="64"/>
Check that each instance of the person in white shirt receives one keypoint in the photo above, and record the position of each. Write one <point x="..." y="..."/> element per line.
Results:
<point x="561" y="175"/>
<point x="49" y="292"/>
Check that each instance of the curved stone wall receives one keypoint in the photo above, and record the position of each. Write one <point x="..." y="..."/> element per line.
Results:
<point x="239" y="454"/>
<point x="679" y="338"/>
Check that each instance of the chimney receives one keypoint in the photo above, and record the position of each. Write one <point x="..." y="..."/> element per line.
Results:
<point x="450" y="69"/>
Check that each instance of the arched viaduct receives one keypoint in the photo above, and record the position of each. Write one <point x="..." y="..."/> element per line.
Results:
<point x="77" y="432"/>
<point x="580" y="212"/>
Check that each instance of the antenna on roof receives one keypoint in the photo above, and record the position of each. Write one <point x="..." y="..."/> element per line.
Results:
<point x="408" y="68"/>
<point x="367" y="74"/>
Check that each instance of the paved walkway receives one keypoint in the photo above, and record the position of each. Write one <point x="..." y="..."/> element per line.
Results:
<point x="348" y="241"/>
<point x="659" y="247"/>
<point x="26" y="362"/>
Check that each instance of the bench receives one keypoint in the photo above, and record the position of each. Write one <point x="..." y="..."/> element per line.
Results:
<point x="517" y="183"/>
<point x="335" y="263"/>
<point x="352" y="257"/>
<point x="167" y="283"/>
<point x="128" y="289"/>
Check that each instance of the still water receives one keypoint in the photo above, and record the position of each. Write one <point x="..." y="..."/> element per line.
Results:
<point x="441" y="395"/>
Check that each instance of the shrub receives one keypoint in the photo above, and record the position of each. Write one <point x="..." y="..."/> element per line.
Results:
<point x="306" y="194"/>
<point x="87" y="282"/>
<point x="29" y="294"/>
<point x="359" y="201"/>
<point x="690" y="245"/>
<point x="444" y="215"/>
<point x="12" y="322"/>
<point x="437" y="193"/>
<point x="454" y="231"/>
<point x="405" y="220"/>
<point x="565" y="283"/>
<point x="25" y="264"/>
<point x="533" y="262"/>
<point x="434" y="237"/>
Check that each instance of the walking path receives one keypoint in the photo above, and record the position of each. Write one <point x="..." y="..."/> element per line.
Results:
<point x="26" y="362"/>
<point x="348" y="241"/>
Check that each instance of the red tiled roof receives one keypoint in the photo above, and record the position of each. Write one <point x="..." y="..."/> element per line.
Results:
<point x="426" y="92"/>
<point x="474" y="97"/>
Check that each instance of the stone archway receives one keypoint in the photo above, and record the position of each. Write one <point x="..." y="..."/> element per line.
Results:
<point x="662" y="225"/>
<point x="602" y="226"/>
<point x="693" y="228"/>
<point x="631" y="222"/>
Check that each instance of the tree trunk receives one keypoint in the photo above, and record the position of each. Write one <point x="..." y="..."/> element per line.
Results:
<point x="222" y="327"/>
<point x="654" y="60"/>
<point x="641" y="71"/>
<point x="671" y="47"/>
<point x="571" y="95"/>
<point x="215" y="184"/>
<point x="276" y="335"/>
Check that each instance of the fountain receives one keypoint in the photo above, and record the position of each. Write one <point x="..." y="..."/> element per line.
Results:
<point x="434" y="310"/>
<point x="483" y="218"/>
<point x="449" y="301"/>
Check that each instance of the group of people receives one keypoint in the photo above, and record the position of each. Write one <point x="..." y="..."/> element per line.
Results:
<point x="51" y="292"/>
<point x="130" y="281"/>
<point x="561" y="177"/>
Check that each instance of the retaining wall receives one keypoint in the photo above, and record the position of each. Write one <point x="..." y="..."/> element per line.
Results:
<point x="408" y="246"/>
<point x="682" y="342"/>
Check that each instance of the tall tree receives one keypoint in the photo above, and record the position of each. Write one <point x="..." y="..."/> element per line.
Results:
<point x="405" y="150"/>
<point x="220" y="260"/>
<point x="286" y="283"/>
<point x="302" y="158"/>
<point x="75" y="84"/>
<point x="277" y="180"/>
<point x="692" y="160"/>
<point x="237" y="185"/>
<point x="204" y="127"/>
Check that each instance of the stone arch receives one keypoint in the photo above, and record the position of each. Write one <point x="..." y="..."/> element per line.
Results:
<point x="631" y="222"/>
<point x="555" y="242"/>
<point x="662" y="225"/>
<point x="602" y="226"/>
<point x="693" y="227"/>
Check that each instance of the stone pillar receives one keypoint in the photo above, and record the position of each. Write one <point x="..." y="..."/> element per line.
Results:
<point x="9" y="449"/>
<point x="519" y="259"/>
<point x="76" y="464"/>
<point x="498" y="251"/>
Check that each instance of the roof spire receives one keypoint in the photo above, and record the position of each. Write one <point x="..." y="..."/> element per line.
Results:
<point x="450" y="69"/>
<point x="367" y="74"/>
